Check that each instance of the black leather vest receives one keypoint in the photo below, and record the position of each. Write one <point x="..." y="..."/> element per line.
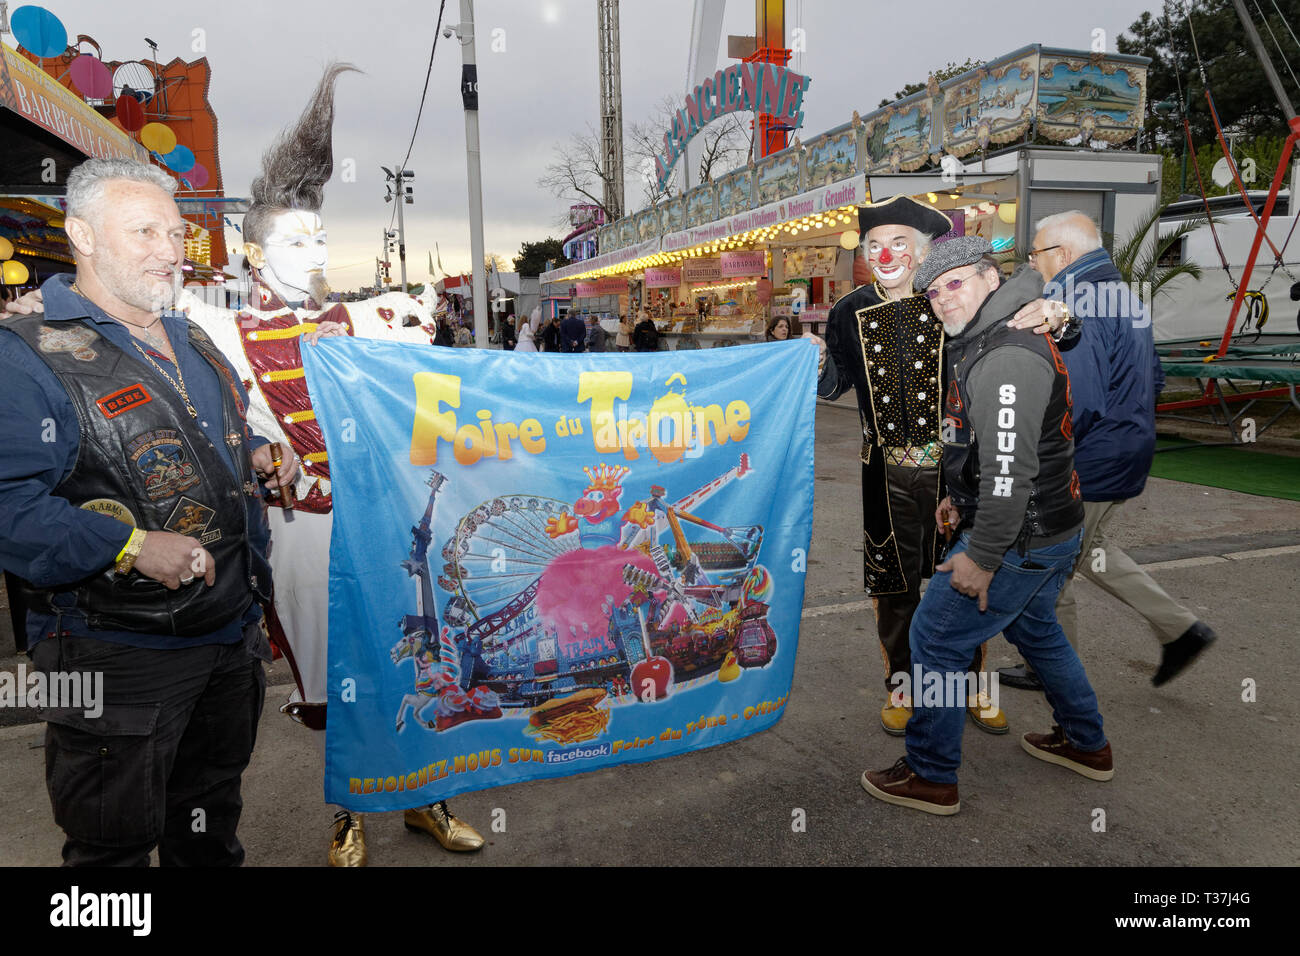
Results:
<point x="1055" y="504"/>
<point x="144" y="460"/>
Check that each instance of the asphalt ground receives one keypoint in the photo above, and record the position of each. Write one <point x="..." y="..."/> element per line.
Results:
<point x="1203" y="777"/>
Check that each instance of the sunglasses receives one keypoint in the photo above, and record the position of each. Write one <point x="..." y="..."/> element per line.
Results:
<point x="952" y="285"/>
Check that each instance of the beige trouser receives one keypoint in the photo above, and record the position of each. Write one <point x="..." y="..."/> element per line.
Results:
<point x="1108" y="567"/>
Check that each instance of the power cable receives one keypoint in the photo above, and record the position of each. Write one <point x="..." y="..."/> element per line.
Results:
<point x="1280" y="51"/>
<point x="437" y="30"/>
<point x="1285" y="23"/>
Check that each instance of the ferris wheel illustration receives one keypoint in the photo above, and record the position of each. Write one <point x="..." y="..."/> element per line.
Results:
<point x="497" y="553"/>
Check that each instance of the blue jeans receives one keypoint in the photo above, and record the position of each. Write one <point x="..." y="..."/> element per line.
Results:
<point x="947" y="628"/>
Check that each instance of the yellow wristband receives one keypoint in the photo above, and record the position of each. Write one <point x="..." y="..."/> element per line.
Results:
<point x="132" y="537"/>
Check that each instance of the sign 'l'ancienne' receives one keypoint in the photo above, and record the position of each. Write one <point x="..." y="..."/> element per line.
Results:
<point x="744" y="87"/>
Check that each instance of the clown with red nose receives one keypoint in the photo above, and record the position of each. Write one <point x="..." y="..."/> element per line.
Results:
<point x="883" y="341"/>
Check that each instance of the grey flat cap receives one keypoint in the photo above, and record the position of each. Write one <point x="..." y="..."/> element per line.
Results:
<point x="950" y="254"/>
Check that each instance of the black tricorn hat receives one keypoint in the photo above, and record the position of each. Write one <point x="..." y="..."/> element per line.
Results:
<point x="902" y="211"/>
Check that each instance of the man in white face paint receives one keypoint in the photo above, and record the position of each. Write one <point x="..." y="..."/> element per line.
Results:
<point x="287" y="249"/>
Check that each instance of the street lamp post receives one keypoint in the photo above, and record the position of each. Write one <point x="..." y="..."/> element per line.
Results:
<point x="464" y="32"/>
<point x="399" y="188"/>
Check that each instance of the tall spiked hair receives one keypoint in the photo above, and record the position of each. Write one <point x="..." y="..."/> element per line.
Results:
<point x="299" y="163"/>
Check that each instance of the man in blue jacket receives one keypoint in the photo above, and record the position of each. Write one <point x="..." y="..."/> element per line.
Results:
<point x="573" y="333"/>
<point x="130" y="509"/>
<point x="1115" y="377"/>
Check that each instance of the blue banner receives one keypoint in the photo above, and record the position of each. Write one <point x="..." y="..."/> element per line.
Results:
<point x="548" y="564"/>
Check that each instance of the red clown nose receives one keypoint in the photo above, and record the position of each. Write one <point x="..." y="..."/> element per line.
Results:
<point x="885" y="257"/>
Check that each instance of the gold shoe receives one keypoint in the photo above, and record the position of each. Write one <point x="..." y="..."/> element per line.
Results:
<point x="987" y="716"/>
<point x="439" y="822"/>
<point x="894" y="717"/>
<point x="348" y="848"/>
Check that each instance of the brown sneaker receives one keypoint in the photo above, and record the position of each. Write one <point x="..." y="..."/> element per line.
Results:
<point x="899" y="785"/>
<point x="1054" y="748"/>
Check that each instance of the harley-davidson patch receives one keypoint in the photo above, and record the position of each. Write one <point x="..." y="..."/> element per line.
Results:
<point x="192" y="518"/>
<point x="161" y="458"/>
<point x="123" y="400"/>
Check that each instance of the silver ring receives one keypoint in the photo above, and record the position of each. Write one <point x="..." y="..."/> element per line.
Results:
<point x="189" y="580"/>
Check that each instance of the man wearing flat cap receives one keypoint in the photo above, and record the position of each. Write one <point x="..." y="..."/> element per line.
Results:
<point x="1014" y="501"/>
<point x="883" y="340"/>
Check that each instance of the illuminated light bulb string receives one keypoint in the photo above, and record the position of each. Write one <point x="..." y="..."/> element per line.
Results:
<point x="831" y="219"/>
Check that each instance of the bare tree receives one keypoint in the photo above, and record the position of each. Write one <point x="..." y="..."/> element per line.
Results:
<point x="725" y="146"/>
<point x="577" y="173"/>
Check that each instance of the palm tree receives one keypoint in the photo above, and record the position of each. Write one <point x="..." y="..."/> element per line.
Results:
<point x="1141" y="269"/>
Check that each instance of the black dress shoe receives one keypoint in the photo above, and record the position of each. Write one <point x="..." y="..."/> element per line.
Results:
<point x="1178" y="655"/>
<point x="1021" y="676"/>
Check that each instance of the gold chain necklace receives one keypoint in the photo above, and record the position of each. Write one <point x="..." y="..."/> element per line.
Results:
<point x="177" y="383"/>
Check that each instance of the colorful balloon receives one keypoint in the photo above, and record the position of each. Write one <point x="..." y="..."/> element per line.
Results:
<point x="129" y="113"/>
<point x="6" y="248"/>
<point x="91" y="77"/>
<point x="179" y="160"/>
<point x="38" y="31"/>
<point x="15" y="272"/>
<point x="158" y="138"/>
<point x="197" y="177"/>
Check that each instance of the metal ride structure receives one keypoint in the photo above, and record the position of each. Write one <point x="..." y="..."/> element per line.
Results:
<point x="611" y="106"/>
<point x="1269" y="363"/>
<point x="701" y="611"/>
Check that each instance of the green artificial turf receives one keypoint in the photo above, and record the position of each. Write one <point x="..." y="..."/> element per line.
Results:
<point x="1236" y="468"/>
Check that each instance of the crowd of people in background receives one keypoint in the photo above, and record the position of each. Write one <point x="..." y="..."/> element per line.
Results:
<point x="576" y="332"/>
<point x="579" y="332"/>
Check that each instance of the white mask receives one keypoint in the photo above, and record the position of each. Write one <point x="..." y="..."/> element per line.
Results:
<point x="296" y="256"/>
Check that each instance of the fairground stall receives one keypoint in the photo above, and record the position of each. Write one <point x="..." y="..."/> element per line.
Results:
<point x="1032" y="133"/>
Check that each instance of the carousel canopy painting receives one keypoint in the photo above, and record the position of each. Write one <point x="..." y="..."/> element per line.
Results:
<point x="832" y="157"/>
<point x="1090" y="98"/>
<point x="898" y="137"/>
<point x="734" y="191"/>
<point x="647" y="224"/>
<point x="699" y="205"/>
<point x="994" y="104"/>
<point x="672" y="215"/>
<point x="778" y="176"/>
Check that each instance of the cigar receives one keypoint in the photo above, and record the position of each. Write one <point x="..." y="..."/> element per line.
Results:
<point x="286" y="491"/>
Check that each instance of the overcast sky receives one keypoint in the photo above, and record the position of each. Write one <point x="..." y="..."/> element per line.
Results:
<point x="536" y="91"/>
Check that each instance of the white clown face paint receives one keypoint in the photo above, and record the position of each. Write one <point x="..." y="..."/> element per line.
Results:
<point x="891" y="253"/>
<point x="297" y="253"/>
